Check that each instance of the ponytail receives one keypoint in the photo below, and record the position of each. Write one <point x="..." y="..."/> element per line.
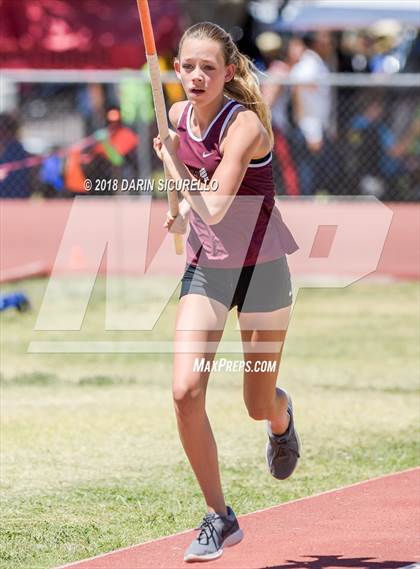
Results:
<point x="245" y="88"/>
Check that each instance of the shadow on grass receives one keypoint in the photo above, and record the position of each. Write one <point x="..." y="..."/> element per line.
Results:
<point x="40" y="378"/>
<point x="397" y="390"/>
<point x="32" y="378"/>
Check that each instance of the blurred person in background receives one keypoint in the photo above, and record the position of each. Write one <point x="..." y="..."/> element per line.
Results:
<point x="388" y="48"/>
<point x="118" y="145"/>
<point x="370" y="160"/>
<point x="312" y="112"/>
<point x="15" y="184"/>
<point x="354" y="49"/>
<point x="92" y="100"/>
<point x="280" y="59"/>
<point x="113" y="157"/>
<point x="407" y="151"/>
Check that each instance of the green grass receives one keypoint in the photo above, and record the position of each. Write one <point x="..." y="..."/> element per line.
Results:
<point x="91" y="458"/>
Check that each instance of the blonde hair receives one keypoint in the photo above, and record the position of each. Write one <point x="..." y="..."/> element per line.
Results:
<point x="245" y="85"/>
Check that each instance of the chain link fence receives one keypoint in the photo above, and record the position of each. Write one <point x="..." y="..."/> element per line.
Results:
<point x="59" y="129"/>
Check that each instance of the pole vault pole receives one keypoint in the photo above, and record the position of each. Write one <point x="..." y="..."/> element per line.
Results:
<point x="158" y="100"/>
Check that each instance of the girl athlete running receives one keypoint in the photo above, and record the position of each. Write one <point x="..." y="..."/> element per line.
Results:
<point x="235" y="258"/>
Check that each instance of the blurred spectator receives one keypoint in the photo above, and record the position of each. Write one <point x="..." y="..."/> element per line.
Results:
<point x="387" y="47"/>
<point x="114" y="157"/>
<point x="280" y="59"/>
<point x="370" y="161"/>
<point x="15" y="184"/>
<point x="118" y="144"/>
<point x="312" y="111"/>
<point x="409" y="144"/>
<point x="407" y="150"/>
<point x="92" y="100"/>
<point x="354" y="51"/>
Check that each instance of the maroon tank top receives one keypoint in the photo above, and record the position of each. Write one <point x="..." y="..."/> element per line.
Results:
<point x="252" y="229"/>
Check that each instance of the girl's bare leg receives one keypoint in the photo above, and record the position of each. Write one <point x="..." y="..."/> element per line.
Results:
<point x="199" y="327"/>
<point x="263" y="400"/>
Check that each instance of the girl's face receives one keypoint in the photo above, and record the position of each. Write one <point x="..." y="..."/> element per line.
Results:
<point x="202" y="70"/>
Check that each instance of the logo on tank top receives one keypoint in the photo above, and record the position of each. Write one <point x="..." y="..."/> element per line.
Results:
<point x="205" y="185"/>
<point x="206" y="154"/>
<point x="203" y="175"/>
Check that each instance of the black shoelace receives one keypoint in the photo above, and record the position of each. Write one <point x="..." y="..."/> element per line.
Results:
<point x="208" y="531"/>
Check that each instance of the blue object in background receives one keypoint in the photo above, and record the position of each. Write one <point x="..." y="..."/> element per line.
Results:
<point x="51" y="172"/>
<point x="14" y="300"/>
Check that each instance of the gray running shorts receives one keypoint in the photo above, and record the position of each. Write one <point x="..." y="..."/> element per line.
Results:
<point x="257" y="288"/>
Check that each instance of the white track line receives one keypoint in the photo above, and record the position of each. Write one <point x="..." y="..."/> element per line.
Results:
<point x="415" y="566"/>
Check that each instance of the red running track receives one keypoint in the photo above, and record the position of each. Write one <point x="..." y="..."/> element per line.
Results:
<point x="340" y="238"/>
<point x="370" y="525"/>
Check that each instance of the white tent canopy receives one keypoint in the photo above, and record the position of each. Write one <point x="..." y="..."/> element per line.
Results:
<point x="342" y="14"/>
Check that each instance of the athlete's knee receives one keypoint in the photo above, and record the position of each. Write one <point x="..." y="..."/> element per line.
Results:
<point x="259" y="412"/>
<point x="188" y="399"/>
